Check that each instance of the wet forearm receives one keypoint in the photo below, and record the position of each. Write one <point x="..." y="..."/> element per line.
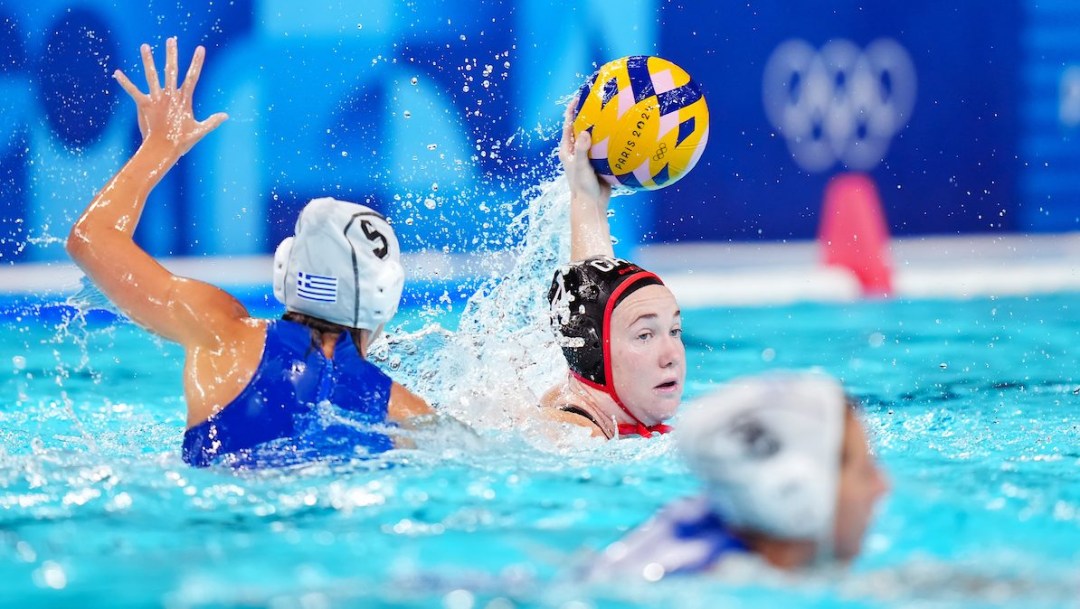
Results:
<point x="119" y="205"/>
<point x="590" y="234"/>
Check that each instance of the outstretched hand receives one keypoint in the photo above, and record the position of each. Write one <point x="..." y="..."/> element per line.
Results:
<point x="166" y="117"/>
<point x="574" y="154"/>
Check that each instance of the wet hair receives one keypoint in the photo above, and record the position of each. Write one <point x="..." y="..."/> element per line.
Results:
<point x="321" y="327"/>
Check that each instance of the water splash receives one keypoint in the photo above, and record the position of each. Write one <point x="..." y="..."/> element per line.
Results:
<point x="491" y="371"/>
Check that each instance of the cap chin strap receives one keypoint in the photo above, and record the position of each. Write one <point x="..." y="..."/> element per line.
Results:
<point x="625" y="429"/>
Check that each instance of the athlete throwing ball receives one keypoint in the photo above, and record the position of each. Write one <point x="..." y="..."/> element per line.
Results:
<point x="618" y="325"/>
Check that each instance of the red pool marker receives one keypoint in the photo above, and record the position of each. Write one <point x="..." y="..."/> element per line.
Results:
<point x="853" y="233"/>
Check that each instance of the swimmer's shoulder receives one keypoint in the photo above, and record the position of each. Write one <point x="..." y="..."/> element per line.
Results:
<point x="561" y="405"/>
<point x="247" y="337"/>
<point x="217" y="372"/>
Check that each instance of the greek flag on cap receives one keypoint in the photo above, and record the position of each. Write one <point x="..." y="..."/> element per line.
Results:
<point x="320" y="288"/>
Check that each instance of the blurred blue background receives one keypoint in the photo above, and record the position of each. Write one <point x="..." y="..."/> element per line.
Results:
<point x="444" y="114"/>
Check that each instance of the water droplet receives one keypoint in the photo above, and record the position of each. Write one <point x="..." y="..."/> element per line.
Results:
<point x="52" y="575"/>
<point x="25" y="551"/>
<point x="359" y="26"/>
<point x="768" y="354"/>
<point x="943" y="365"/>
<point x="429" y="203"/>
<point x="432" y="146"/>
<point x="121" y="501"/>
<point x="459" y="599"/>
<point x="19" y="362"/>
<point x="435" y="186"/>
<point x="407" y="114"/>
<point x="414" y="80"/>
<point x="653" y="572"/>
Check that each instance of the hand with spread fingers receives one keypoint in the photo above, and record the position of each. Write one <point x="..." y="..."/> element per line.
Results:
<point x="166" y="116"/>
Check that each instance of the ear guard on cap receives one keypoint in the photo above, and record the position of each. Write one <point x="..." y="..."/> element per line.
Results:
<point x="385" y="294"/>
<point x="281" y="268"/>
<point x="787" y="494"/>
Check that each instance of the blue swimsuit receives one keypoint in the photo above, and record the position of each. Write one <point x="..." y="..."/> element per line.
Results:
<point x="685" y="537"/>
<point x="299" y="406"/>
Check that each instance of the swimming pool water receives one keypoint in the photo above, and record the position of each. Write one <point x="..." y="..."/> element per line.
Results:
<point x="974" y="408"/>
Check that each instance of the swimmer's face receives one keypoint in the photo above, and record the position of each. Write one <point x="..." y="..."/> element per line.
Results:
<point x="648" y="360"/>
<point x="861" y="485"/>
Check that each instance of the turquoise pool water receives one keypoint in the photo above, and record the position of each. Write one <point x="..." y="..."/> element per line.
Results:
<point x="974" y="407"/>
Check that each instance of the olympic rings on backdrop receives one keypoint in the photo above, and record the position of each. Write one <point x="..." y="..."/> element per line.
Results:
<point x="840" y="103"/>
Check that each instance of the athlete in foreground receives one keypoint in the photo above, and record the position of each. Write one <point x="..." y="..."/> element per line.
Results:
<point x="258" y="392"/>
<point x="788" y="477"/>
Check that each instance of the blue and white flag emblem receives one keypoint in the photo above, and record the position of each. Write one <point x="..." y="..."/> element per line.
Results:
<point x="319" y="288"/>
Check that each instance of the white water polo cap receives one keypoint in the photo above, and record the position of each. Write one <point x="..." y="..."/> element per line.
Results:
<point x="343" y="265"/>
<point x="768" y="450"/>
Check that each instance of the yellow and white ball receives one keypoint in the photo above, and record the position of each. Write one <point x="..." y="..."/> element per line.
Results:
<point x="648" y="119"/>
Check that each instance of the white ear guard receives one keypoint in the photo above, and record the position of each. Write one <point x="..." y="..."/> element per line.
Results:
<point x="788" y="495"/>
<point x="281" y="268"/>
<point x="385" y="295"/>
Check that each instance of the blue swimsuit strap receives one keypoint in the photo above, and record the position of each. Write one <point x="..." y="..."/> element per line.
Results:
<point x="712" y="528"/>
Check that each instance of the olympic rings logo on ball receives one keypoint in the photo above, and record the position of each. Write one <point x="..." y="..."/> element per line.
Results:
<point x="661" y="151"/>
<point x="839" y="104"/>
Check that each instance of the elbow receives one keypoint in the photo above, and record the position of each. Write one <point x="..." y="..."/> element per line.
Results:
<point x="78" y="243"/>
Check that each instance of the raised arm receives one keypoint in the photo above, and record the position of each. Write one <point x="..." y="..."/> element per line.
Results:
<point x="590" y="234"/>
<point x="101" y="243"/>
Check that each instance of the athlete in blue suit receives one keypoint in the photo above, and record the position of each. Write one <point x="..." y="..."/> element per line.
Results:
<point x="257" y="391"/>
